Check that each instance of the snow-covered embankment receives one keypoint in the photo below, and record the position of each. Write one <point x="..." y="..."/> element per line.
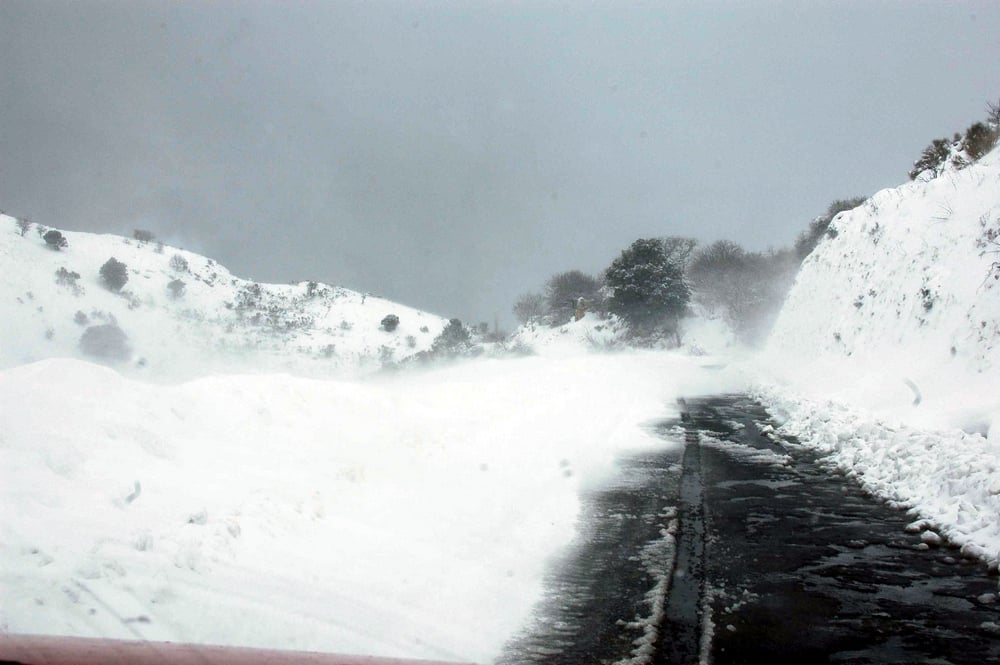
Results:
<point x="886" y="354"/>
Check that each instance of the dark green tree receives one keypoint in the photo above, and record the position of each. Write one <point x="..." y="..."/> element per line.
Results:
<point x="453" y="340"/>
<point x="648" y="290"/>
<point x="114" y="273"/>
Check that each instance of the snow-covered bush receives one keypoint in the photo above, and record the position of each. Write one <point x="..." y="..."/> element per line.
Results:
<point x="390" y="322"/>
<point x="55" y="240"/>
<point x="107" y="342"/>
<point x="178" y="263"/>
<point x="68" y="279"/>
<point x="142" y="235"/>
<point x="453" y="340"/>
<point x="176" y="288"/>
<point x="23" y="225"/>
<point x="114" y="273"/>
<point x="979" y="139"/>
<point x="820" y="227"/>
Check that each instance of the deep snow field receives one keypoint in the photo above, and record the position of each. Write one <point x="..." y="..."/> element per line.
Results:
<point x="404" y="515"/>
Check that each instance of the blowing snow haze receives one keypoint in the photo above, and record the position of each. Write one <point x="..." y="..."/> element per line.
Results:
<point x="453" y="155"/>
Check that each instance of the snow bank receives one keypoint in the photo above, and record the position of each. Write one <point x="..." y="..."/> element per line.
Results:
<point x="886" y="352"/>
<point x="406" y="516"/>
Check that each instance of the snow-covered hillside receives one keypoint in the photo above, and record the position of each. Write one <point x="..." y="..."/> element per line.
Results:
<point x="184" y="315"/>
<point x="887" y="352"/>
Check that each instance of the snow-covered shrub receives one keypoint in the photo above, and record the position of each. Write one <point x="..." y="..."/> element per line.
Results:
<point x="933" y="158"/>
<point x="23" y="225"/>
<point x="979" y="139"/>
<point x="55" y="240"/>
<point x="820" y="227"/>
<point x="80" y="318"/>
<point x="453" y="340"/>
<point x="114" y="273"/>
<point x="390" y="322"/>
<point x="178" y="263"/>
<point x="143" y="235"/>
<point x="68" y="279"/>
<point x="176" y="288"/>
<point x="107" y="342"/>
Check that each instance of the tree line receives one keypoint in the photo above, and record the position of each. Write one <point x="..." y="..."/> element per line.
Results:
<point x="655" y="282"/>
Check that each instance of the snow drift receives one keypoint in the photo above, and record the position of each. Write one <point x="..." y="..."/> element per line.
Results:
<point x="885" y="354"/>
<point x="410" y="516"/>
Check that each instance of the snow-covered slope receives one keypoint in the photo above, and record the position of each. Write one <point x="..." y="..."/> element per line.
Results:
<point x="910" y="271"/>
<point x="216" y="322"/>
<point x="886" y="354"/>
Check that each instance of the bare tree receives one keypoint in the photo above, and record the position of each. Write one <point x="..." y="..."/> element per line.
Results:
<point x="529" y="307"/>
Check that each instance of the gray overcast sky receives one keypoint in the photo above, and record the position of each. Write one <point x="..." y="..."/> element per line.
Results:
<point x="452" y="155"/>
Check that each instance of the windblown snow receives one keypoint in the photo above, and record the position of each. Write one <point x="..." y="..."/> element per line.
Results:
<point x="238" y="475"/>
<point x="887" y="351"/>
<point x="200" y="496"/>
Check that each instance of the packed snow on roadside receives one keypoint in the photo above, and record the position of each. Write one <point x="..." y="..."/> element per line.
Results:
<point x="886" y="353"/>
<point x="404" y="515"/>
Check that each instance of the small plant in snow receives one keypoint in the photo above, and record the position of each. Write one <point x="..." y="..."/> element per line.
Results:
<point x="346" y="325"/>
<point x="178" y="263"/>
<point x="114" y="273"/>
<point x="142" y="235"/>
<point x="55" y="240"/>
<point x="22" y="226"/>
<point x="68" y="279"/>
<point x="411" y="341"/>
<point x="176" y="288"/>
<point x="107" y="341"/>
<point x="390" y="322"/>
<point x="80" y="318"/>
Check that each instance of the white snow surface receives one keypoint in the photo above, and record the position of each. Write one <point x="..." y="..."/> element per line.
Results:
<point x="887" y="351"/>
<point x="221" y="323"/>
<point x="409" y="515"/>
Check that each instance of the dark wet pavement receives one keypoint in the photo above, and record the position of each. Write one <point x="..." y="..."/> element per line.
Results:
<point x="760" y="555"/>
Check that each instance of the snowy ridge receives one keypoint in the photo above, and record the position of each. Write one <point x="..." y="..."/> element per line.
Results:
<point x="886" y="352"/>
<point x="217" y="322"/>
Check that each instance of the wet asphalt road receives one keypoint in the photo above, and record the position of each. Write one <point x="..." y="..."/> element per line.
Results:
<point x="735" y="547"/>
